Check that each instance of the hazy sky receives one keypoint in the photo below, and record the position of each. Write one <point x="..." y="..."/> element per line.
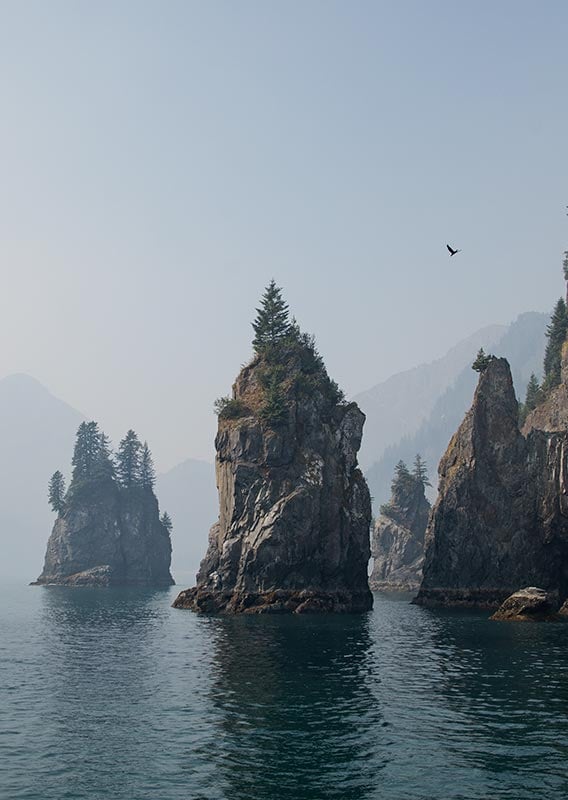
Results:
<point x="161" y="161"/>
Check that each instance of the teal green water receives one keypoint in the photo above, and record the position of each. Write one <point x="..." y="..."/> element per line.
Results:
<point x="115" y="695"/>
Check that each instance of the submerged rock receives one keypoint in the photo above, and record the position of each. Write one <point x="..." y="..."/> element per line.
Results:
<point x="530" y="604"/>
<point x="294" y="508"/>
<point x="501" y="517"/>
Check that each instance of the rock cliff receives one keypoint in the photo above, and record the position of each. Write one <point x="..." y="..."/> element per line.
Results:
<point x="108" y="536"/>
<point x="501" y="518"/>
<point x="398" y="538"/>
<point x="108" y="530"/>
<point x="294" y="509"/>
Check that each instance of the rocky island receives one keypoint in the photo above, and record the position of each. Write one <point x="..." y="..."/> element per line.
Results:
<point x="294" y="508"/>
<point x="398" y="533"/>
<point x="108" y="530"/>
<point x="501" y="519"/>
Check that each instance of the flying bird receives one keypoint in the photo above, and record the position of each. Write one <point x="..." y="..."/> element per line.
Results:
<point x="452" y="251"/>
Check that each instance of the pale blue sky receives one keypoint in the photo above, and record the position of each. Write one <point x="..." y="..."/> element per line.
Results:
<point x="161" y="161"/>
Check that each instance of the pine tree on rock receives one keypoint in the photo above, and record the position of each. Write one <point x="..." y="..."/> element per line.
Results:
<point x="402" y="477"/>
<point x="556" y="334"/>
<point x="272" y="323"/>
<point x="57" y="492"/>
<point x="533" y="396"/>
<point x="482" y="361"/>
<point x="147" y="471"/>
<point x="128" y="460"/>
<point x="166" y="521"/>
<point x="104" y="465"/>
<point x="420" y="471"/>
<point x="87" y="451"/>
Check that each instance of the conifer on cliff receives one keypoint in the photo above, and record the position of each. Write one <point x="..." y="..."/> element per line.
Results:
<point x="556" y="334"/>
<point x="272" y="323"/>
<point x="147" y="471"/>
<point x="87" y="451"/>
<point x="420" y="471"/>
<point x="57" y="492"/>
<point x="482" y="360"/>
<point x="104" y="464"/>
<point x="128" y="460"/>
<point x="166" y="521"/>
<point x="533" y="395"/>
<point x="402" y="478"/>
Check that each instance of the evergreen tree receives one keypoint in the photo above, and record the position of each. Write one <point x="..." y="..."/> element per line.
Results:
<point x="104" y="465"/>
<point x="166" y="521"/>
<point x="57" y="492"/>
<point x="533" y="396"/>
<point x="420" y="471"/>
<point x="128" y="460"/>
<point x="147" y="471"/>
<point x="402" y="478"/>
<point x="482" y="360"/>
<point x="271" y="324"/>
<point x="556" y="334"/>
<point x="87" y="451"/>
<point x="565" y="270"/>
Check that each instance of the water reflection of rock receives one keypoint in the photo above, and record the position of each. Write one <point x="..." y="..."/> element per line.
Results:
<point x="298" y="714"/>
<point x="101" y="678"/>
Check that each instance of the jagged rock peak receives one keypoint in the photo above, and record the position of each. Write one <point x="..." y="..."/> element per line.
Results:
<point x="501" y="518"/>
<point x="294" y="508"/>
<point x="108" y="531"/>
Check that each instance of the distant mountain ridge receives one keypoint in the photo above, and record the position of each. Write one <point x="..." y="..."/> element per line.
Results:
<point x="522" y="343"/>
<point x="397" y="406"/>
<point x="414" y="411"/>
<point x="37" y="431"/>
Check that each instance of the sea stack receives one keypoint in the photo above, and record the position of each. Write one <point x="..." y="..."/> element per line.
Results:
<point x="501" y="519"/>
<point x="398" y="533"/>
<point x="108" y="531"/>
<point x="294" y="508"/>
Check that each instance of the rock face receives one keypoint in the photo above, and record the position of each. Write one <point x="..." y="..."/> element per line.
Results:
<point x="108" y="536"/>
<point x="501" y="518"/>
<point x="530" y="604"/>
<point x="398" y="540"/>
<point x="294" y="509"/>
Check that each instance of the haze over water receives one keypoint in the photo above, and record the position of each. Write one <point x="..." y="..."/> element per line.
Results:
<point x="114" y="694"/>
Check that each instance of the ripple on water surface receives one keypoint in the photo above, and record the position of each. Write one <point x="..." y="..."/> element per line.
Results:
<point x="113" y="694"/>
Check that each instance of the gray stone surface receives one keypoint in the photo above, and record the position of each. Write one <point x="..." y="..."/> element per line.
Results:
<point x="108" y="536"/>
<point x="501" y="517"/>
<point x="531" y="604"/>
<point x="398" y="541"/>
<point x="294" y="508"/>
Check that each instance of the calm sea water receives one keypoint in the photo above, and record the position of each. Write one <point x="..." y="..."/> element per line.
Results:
<point x="113" y="694"/>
